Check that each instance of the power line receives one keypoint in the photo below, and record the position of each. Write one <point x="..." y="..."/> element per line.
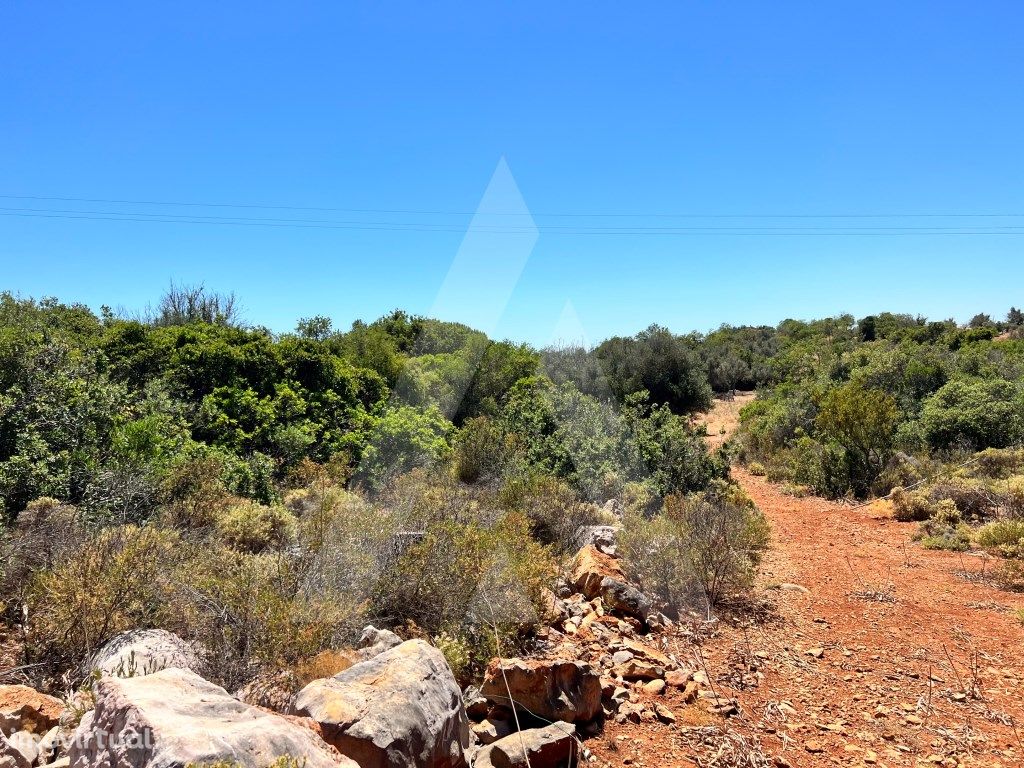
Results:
<point x="503" y="228"/>
<point x="399" y="211"/>
<point x="695" y="231"/>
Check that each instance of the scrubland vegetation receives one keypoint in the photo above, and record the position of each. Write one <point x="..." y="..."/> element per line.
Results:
<point x="266" y="495"/>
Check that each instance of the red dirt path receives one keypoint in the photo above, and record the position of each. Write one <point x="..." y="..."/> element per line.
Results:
<point x="915" y="659"/>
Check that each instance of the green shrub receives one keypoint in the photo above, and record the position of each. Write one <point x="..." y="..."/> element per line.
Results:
<point x="911" y="506"/>
<point x="756" y="468"/>
<point x="1004" y="536"/>
<point x="119" y="579"/>
<point x="974" y="413"/>
<point x="1000" y="463"/>
<point x="457" y="652"/>
<point x="701" y="549"/>
<point x="252" y="527"/>
<point x="945" y="529"/>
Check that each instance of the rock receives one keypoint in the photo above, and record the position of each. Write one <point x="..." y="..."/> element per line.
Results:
<point x="590" y="567"/>
<point x="639" y="670"/>
<point x="663" y="713"/>
<point x="646" y="652"/>
<point x="625" y="599"/>
<point x="11" y="756"/>
<point x="400" y="709"/>
<point x="655" y="687"/>
<point x="173" y="717"/>
<point x="475" y="703"/>
<point x="601" y="537"/>
<point x="373" y="641"/>
<point x="817" y="652"/>
<point x="621" y="657"/>
<point x="814" y="747"/>
<point x="677" y="678"/>
<point x="143" y="652"/>
<point x="51" y="746"/>
<point x="489" y="731"/>
<point x="553" y="690"/>
<point x="27" y="744"/>
<point x="548" y="747"/>
<point x="25" y="709"/>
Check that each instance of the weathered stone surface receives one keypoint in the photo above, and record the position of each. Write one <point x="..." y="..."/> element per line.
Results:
<point x="51" y="746"/>
<point x="401" y="709"/>
<point x="554" y="690"/>
<point x="25" y="709"/>
<point x="476" y="704"/>
<point x="635" y="669"/>
<point x="11" y="756"/>
<point x="590" y="567"/>
<point x="489" y="731"/>
<point x="625" y="599"/>
<point x="601" y="537"/>
<point x="143" y="652"/>
<point x="173" y="717"/>
<point x="550" y="747"/>
<point x="374" y="642"/>
<point x="26" y="743"/>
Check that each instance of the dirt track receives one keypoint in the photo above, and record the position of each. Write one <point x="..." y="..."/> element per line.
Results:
<point x="893" y="656"/>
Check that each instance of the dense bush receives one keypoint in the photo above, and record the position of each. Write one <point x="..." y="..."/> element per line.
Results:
<point x="700" y="550"/>
<point x="974" y="414"/>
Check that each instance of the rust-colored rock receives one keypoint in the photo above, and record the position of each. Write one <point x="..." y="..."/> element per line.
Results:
<point x="590" y="567"/>
<point x="26" y="709"/>
<point x="553" y="690"/>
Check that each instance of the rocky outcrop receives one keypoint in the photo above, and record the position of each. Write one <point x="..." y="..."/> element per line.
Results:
<point x="400" y="709"/>
<point x="553" y="746"/>
<point x="590" y="567"/>
<point x="25" y="709"/>
<point x="143" y="652"/>
<point x="173" y="717"/>
<point x="553" y="690"/>
<point x="374" y="642"/>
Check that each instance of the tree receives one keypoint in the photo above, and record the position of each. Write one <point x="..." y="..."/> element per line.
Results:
<point x="863" y="421"/>
<point x="1015" y="318"/>
<point x="184" y="304"/>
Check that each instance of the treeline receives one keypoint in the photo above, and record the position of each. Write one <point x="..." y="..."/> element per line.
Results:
<point x="858" y="407"/>
<point x="112" y="413"/>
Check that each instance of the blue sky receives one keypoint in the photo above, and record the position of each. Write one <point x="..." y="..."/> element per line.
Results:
<point x="526" y="112"/>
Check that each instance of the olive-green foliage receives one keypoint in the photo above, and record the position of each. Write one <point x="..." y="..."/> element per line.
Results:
<point x="974" y="414"/>
<point x="249" y="526"/>
<point x="863" y="422"/>
<point x="400" y="439"/>
<point x="911" y="506"/>
<point x="117" y="579"/>
<point x="944" y="529"/>
<point x="1004" y="536"/>
<point x="700" y="550"/>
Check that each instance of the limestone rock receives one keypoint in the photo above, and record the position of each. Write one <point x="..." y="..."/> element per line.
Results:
<point x="143" y="652"/>
<point x="374" y="642"/>
<point x="400" y="709"/>
<point x="173" y="717"/>
<point x="548" y="747"/>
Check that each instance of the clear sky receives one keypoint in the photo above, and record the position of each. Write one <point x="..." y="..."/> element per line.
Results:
<point x="398" y="121"/>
